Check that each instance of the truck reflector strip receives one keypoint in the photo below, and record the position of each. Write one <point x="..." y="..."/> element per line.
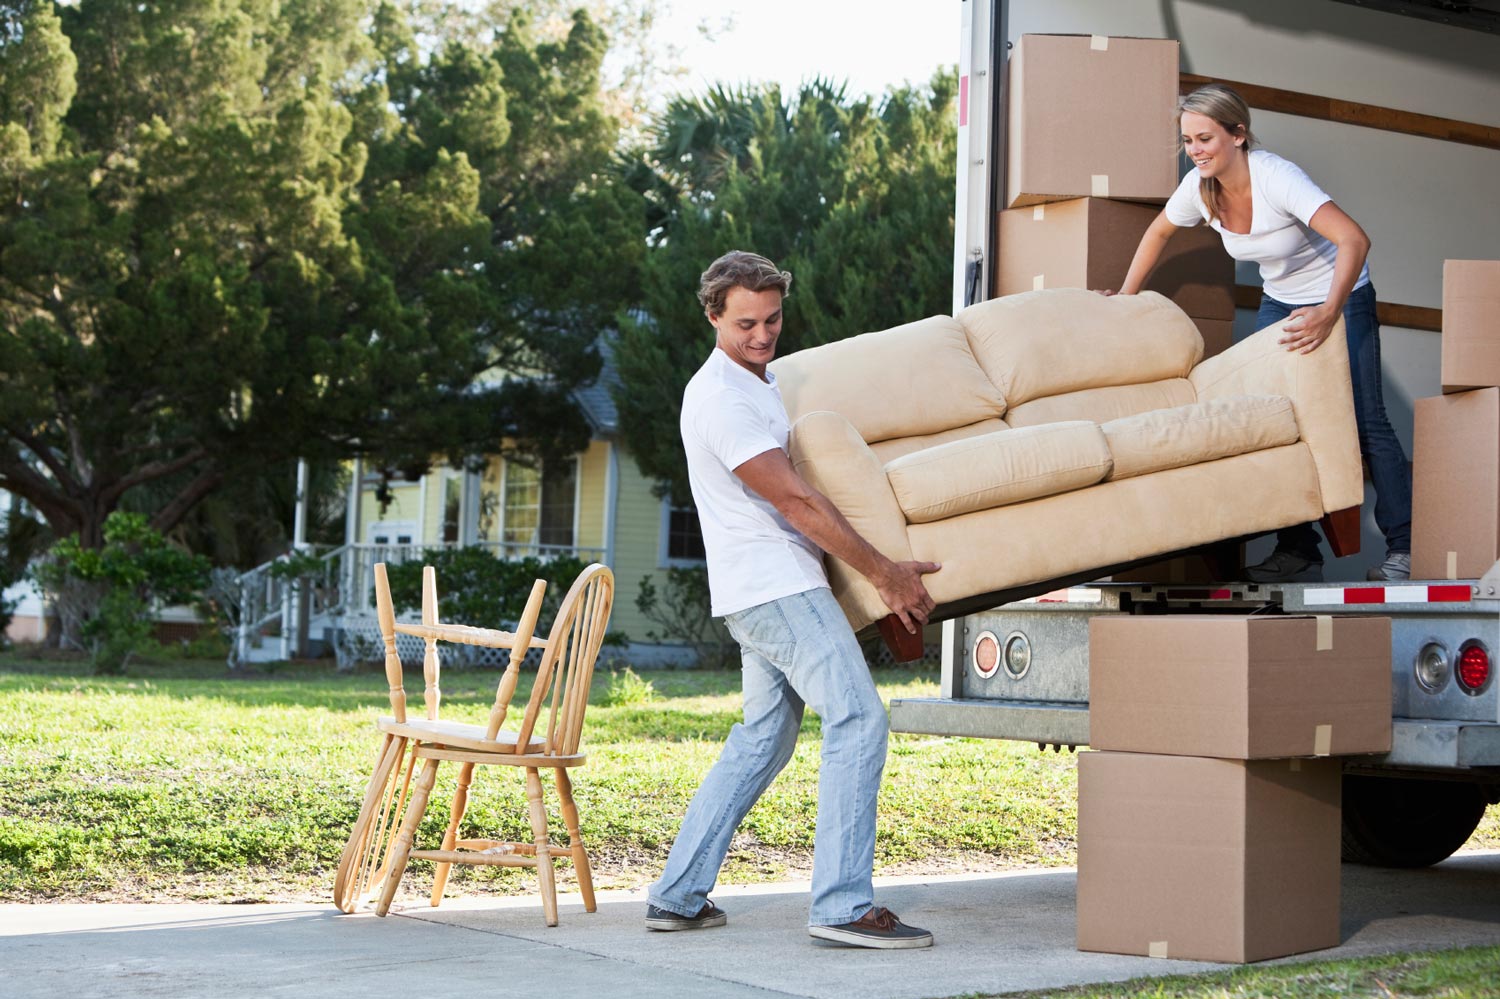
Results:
<point x="1072" y="595"/>
<point x="1342" y="595"/>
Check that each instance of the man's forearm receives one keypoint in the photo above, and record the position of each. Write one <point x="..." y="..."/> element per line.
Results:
<point x="817" y="518"/>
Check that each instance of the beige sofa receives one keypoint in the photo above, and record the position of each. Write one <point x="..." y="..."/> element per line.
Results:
<point x="1050" y="437"/>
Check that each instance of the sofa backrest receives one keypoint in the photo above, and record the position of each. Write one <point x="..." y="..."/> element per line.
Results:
<point x="1101" y="405"/>
<point x="1046" y="343"/>
<point x="916" y="379"/>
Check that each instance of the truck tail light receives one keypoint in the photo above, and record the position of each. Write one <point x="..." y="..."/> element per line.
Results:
<point x="1473" y="667"/>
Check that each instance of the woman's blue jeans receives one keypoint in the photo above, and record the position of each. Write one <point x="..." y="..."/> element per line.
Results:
<point x="1378" y="443"/>
<point x="796" y="650"/>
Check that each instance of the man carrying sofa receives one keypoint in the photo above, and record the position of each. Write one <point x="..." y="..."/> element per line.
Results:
<point x="764" y="531"/>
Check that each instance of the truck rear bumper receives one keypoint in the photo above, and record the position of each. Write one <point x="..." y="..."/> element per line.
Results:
<point x="1416" y="743"/>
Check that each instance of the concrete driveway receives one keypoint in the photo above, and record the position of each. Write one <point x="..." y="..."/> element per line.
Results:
<point x="995" y="933"/>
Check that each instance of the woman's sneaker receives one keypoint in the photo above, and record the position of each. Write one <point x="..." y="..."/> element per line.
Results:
<point x="877" y="928"/>
<point x="1397" y="565"/>
<point x="666" y="920"/>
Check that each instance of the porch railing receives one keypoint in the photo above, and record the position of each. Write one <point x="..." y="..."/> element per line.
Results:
<point x="263" y="601"/>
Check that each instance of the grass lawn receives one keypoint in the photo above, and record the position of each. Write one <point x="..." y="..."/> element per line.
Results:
<point x="181" y="782"/>
<point x="1473" y="973"/>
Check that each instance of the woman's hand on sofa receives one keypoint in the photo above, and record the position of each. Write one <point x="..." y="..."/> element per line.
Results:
<point x="1306" y="328"/>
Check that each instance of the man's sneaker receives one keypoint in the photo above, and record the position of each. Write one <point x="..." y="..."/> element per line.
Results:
<point x="1397" y="565"/>
<point x="877" y="928"/>
<point x="658" y="918"/>
<point x="1285" y="567"/>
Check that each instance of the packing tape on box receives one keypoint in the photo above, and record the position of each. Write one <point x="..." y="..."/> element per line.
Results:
<point x="1099" y="185"/>
<point x="1325" y="632"/>
<point x="1156" y="948"/>
<point x="1039" y="213"/>
<point x="1452" y="565"/>
<point x="1099" y="43"/>
<point x="1037" y="282"/>
<point x="1322" y="740"/>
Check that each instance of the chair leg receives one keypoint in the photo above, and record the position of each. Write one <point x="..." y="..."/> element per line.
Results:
<point x="575" y="840"/>
<point x="544" y="872"/>
<point x="460" y="805"/>
<point x="401" y="847"/>
<point x="364" y="840"/>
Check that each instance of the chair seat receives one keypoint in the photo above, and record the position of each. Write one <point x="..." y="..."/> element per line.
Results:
<point x="458" y="734"/>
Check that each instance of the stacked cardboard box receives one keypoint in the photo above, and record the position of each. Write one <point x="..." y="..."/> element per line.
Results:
<point x="1209" y="815"/>
<point x="1090" y="158"/>
<point x="1456" y="444"/>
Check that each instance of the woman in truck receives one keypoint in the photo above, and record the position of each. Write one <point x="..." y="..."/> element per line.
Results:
<point x="1312" y="266"/>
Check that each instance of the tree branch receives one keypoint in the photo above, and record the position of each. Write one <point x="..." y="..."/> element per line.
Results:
<point x="171" y="515"/>
<point x="154" y="470"/>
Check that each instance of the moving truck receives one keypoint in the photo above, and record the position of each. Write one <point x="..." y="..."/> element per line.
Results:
<point x="1394" y="108"/>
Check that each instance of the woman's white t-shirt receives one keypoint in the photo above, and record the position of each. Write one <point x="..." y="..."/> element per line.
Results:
<point x="754" y="555"/>
<point x="1296" y="263"/>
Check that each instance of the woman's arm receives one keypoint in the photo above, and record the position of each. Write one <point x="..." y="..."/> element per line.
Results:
<point x="1147" y="254"/>
<point x="1306" y="328"/>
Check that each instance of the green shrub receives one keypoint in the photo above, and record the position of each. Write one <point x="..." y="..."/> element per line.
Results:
<point x="104" y="595"/>
<point x="628" y="690"/>
<point x="476" y="587"/>
<point x="681" y="615"/>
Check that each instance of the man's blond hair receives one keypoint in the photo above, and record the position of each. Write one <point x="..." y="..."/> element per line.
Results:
<point x="738" y="269"/>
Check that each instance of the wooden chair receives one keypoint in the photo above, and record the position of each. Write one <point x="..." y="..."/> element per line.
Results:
<point x="381" y="844"/>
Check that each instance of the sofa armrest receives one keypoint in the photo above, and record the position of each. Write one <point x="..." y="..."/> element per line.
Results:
<point x="829" y="453"/>
<point x="1322" y="398"/>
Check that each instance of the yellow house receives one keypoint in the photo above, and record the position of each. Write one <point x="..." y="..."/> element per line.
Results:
<point x="596" y="506"/>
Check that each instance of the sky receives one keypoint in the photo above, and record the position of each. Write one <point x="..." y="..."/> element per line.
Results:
<point x="872" y="44"/>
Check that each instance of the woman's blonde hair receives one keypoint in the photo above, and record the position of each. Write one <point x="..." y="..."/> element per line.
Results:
<point x="1228" y="108"/>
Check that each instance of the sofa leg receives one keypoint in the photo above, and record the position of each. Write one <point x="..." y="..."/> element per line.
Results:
<point x="905" y="647"/>
<point x="1341" y="528"/>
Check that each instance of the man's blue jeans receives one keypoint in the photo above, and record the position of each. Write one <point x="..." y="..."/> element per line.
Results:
<point x="797" y="650"/>
<point x="1378" y="443"/>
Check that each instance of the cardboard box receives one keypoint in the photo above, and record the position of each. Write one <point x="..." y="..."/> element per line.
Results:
<point x="1471" y="324"/>
<point x="1207" y="860"/>
<point x="1455" y="502"/>
<point x="1240" y="687"/>
<point x="1091" y="115"/>
<point x="1089" y="243"/>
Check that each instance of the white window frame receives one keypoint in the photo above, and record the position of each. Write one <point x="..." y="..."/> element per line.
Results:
<point x="664" y="537"/>
<point x="541" y="499"/>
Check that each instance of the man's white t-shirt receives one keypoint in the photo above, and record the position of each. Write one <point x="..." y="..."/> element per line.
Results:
<point x="754" y="555"/>
<point x="1296" y="263"/>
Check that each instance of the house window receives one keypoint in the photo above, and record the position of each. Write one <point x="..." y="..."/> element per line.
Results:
<point x="453" y="492"/>
<point x="681" y="535"/>
<point x="540" y="503"/>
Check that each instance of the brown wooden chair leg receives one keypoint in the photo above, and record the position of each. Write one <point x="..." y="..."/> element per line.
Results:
<point x="544" y="872"/>
<point x="460" y="805"/>
<point x="581" y="865"/>
<point x="1341" y="528"/>
<point x="905" y="647"/>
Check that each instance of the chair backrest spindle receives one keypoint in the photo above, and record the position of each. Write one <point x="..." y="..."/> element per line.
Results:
<point x="567" y="666"/>
<point x="525" y="628"/>
<point x="385" y="614"/>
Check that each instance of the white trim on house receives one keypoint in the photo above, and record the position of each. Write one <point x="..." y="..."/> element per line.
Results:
<point x="611" y="500"/>
<point x="395" y="532"/>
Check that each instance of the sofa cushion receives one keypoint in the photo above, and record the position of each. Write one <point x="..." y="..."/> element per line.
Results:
<point x="1103" y="404"/>
<point x="1043" y="343"/>
<point x="894" y="448"/>
<point x="916" y="379"/>
<point x="1203" y="431"/>
<point x="990" y="470"/>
